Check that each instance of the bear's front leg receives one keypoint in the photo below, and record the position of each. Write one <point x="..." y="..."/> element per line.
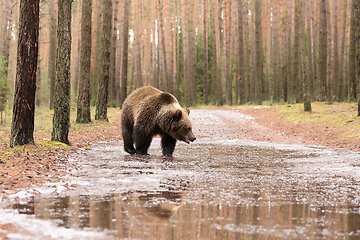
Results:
<point x="142" y="143"/>
<point x="168" y="145"/>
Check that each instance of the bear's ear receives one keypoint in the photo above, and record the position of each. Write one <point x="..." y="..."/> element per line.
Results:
<point x="178" y="114"/>
<point x="187" y="110"/>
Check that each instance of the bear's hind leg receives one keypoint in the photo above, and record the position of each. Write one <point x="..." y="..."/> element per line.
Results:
<point x="168" y="145"/>
<point x="127" y="134"/>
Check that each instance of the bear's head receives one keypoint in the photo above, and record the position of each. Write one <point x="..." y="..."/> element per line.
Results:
<point x="177" y="124"/>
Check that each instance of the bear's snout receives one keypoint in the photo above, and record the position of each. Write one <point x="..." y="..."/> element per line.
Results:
<point x="190" y="138"/>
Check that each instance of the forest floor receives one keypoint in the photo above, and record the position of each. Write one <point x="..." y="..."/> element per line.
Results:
<point x="31" y="165"/>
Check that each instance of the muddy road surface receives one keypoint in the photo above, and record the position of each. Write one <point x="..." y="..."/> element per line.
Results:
<point x="222" y="186"/>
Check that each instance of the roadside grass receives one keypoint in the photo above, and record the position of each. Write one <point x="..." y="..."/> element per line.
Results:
<point x="342" y="116"/>
<point x="43" y="127"/>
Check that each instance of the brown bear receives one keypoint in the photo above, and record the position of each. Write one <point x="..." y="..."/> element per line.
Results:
<point x="148" y="112"/>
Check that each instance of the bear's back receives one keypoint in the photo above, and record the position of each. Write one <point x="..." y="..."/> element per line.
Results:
<point x="147" y="99"/>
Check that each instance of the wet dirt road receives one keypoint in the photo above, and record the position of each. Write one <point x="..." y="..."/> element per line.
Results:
<point x="220" y="187"/>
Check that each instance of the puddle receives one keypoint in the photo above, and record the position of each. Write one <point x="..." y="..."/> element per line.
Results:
<point x="230" y="189"/>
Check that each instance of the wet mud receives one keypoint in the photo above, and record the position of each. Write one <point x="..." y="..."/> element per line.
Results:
<point x="223" y="188"/>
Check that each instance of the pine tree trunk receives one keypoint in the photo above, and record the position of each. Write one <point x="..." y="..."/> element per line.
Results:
<point x="5" y="38"/>
<point x="296" y="54"/>
<point x="84" y="95"/>
<point x="118" y="54"/>
<point x="38" y="84"/>
<point x="340" y="89"/>
<point x="206" y="53"/>
<point x="61" y="119"/>
<point x="352" y="55"/>
<point x="322" y="62"/>
<point x="217" y="86"/>
<point x="357" y="37"/>
<point x="335" y="62"/>
<point x="124" y="67"/>
<point x="304" y="53"/>
<point x="22" y="127"/>
<point x="52" y="51"/>
<point x="112" y="78"/>
<point x="240" y="78"/>
<point x="228" y="70"/>
<point x="259" y="78"/>
<point x="275" y="56"/>
<point x="97" y="54"/>
<point x="103" y="89"/>
<point x="310" y="36"/>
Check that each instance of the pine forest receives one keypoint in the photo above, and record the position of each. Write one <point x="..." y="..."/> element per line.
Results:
<point x="218" y="52"/>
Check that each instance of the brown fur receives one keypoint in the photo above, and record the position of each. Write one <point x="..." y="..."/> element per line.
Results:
<point x="148" y="112"/>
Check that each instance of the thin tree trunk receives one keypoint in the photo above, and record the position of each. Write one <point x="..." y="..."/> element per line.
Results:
<point x="322" y="62"/>
<point x="38" y="84"/>
<point x="304" y="53"/>
<point x="240" y="78"/>
<point x="352" y="55"/>
<point x="103" y="90"/>
<point x="335" y="62"/>
<point x="22" y="127"/>
<point x="228" y="72"/>
<point x="340" y="88"/>
<point x="206" y="54"/>
<point x="357" y="36"/>
<point x="124" y="67"/>
<point x="97" y="54"/>
<point x="275" y="55"/>
<point x="61" y="119"/>
<point x="310" y="72"/>
<point x="84" y="95"/>
<point x="119" y="54"/>
<point x="52" y="51"/>
<point x="259" y="77"/>
<point x="112" y="78"/>
<point x="217" y="78"/>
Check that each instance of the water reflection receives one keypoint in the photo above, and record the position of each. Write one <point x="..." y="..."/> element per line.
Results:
<point x="234" y="191"/>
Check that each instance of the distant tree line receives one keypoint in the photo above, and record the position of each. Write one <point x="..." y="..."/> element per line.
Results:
<point x="204" y="52"/>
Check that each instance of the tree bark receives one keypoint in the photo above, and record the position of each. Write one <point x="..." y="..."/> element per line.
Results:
<point x="52" y="51"/>
<point x="61" y="119"/>
<point x="84" y="95"/>
<point x="352" y="55"/>
<point x="259" y="53"/>
<point x="22" y="127"/>
<point x="217" y="86"/>
<point x="340" y="89"/>
<point x="124" y="67"/>
<point x="228" y="70"/>
<point x="322" y="62"/>
<point x="357" y="39"/>
<point x="240" y="78"/>
<point x="103" y="89"/>
<point x="206" y="53"/>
